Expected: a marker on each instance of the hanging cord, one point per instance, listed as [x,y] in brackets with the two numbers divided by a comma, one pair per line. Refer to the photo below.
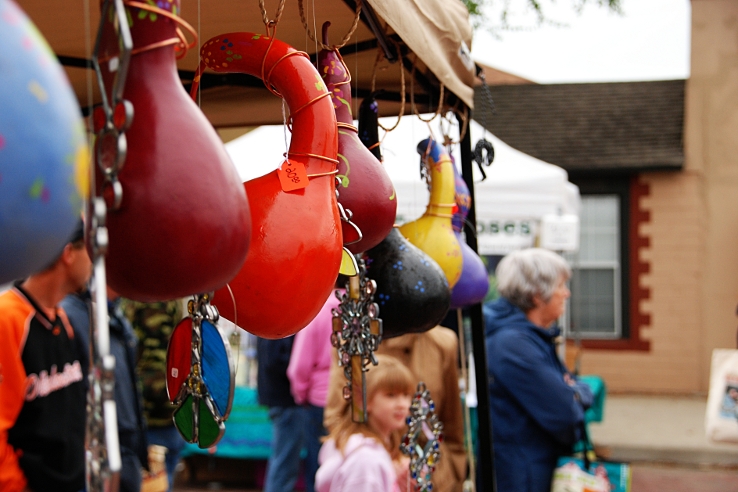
[380,56]
[345,39]
[271,24]
[412,96]
[447,140]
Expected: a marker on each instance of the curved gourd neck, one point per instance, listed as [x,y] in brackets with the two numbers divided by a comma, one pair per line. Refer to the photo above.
[442,183]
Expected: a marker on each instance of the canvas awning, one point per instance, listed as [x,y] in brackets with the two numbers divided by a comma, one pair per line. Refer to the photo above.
[437,32]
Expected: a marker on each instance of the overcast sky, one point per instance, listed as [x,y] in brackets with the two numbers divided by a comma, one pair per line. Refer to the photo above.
[650,41]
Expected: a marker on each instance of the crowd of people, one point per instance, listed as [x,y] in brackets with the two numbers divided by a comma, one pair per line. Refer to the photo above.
[536,405]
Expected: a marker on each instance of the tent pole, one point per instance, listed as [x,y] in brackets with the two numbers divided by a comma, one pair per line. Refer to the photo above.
[485,467]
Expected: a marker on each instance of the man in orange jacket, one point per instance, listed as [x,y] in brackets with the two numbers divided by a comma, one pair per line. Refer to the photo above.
[42,415]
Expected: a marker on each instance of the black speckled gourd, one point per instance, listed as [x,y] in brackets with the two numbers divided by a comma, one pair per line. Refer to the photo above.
[412,291]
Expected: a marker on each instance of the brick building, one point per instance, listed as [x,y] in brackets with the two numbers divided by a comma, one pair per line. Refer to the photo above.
[656,280]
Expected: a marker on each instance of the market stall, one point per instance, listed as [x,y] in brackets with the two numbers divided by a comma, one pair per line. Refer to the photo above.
[416,53]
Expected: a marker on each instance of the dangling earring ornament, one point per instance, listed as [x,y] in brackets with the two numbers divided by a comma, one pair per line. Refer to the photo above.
[423,439]
[357,331]
[200,375]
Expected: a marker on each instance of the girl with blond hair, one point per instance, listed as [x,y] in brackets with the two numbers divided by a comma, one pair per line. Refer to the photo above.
[365,457]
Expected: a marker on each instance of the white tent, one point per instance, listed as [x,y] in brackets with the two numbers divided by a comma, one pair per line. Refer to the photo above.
[510,204]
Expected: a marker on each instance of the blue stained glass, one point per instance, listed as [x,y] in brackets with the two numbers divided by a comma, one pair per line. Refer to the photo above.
[216,370]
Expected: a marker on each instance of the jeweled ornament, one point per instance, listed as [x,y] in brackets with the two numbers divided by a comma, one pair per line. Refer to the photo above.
[422,441]
[357,331]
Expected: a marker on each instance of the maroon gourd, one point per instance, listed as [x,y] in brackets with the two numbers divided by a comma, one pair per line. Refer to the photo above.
[364,188]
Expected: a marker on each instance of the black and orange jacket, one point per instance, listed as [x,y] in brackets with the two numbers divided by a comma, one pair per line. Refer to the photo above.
[42,409]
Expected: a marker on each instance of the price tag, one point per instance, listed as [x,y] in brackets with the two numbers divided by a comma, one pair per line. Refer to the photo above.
[292,176]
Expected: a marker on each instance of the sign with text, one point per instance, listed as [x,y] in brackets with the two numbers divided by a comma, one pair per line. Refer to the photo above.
[560,232]
[501,236]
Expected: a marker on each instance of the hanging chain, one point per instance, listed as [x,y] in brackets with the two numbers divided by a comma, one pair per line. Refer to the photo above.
[423,439]
[114,117]
[357,331]
[102,456]
[335,47]
[484,151]
[110,121]
[488,104]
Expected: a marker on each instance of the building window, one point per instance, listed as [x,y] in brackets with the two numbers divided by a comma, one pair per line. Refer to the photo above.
[596,307]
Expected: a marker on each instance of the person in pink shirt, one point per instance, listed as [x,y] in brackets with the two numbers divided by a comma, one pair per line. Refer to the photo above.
[309,373]
[365,457]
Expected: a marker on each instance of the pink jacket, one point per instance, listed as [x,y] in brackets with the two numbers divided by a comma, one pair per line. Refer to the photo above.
[363,466]
[310,362]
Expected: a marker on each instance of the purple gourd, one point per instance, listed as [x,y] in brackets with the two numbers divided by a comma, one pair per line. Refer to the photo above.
[473,283]
[364,186]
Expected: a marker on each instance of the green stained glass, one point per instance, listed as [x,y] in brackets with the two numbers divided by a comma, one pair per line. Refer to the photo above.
[183,419]
[210,431]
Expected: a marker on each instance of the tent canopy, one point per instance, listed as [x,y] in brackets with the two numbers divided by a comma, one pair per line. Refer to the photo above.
[518,192]
[435,32]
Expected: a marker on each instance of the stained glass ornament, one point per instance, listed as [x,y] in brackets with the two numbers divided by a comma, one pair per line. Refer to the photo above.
[200,375]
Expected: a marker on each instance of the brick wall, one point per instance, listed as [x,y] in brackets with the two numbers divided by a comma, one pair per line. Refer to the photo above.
[673,252]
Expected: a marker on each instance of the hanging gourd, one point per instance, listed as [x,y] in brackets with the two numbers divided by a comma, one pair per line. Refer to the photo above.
[296,253]
[364,186]
[369,125]
[473,283]
[432,232]
[44,163]
[179,219]
[412,292]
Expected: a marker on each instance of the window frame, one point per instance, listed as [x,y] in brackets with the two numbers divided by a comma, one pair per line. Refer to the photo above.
[620,187]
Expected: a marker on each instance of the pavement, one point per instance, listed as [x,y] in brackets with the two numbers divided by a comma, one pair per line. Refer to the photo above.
[662,437]
[660,429]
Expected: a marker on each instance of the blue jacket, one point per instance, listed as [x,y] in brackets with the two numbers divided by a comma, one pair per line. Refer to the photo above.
[127,394]
[273,385]
[536,415]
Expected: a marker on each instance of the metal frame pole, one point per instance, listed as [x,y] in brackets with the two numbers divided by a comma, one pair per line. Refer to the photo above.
[486,475]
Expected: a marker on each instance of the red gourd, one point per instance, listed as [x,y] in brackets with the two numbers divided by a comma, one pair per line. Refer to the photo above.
[183,225]
[296,252]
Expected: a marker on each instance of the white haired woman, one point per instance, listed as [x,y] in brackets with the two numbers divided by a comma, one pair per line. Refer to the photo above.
[536,405]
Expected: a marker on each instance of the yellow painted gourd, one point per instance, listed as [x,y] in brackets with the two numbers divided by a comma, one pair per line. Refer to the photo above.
[433,232]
